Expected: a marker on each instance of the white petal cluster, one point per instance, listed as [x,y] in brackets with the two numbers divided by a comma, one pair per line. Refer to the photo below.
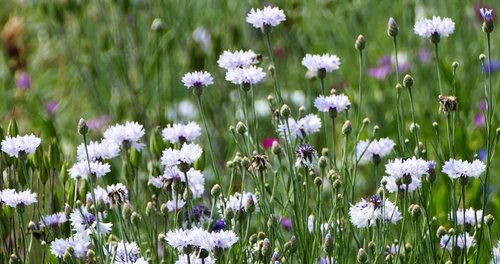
[81,169]
[239,201]
[106,149]
[269,16]
[392,187]
[181,133]
[496,254]
[194,258]
[129,133]
[327,62]
[200,238]
[437,25]
[462,240]
[332,102]
[472,217]
[125,253]
[26,144]
[59,246]
[366,213]
[305,126]
[84,223]
[378,147]
[414,167]
[237,59]
[458,168]
[247,75]
[197,79]
[188,154]
[101,195]
[53,219]
[14,199]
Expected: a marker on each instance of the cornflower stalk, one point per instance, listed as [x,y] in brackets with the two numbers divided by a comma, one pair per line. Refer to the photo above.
[277,89]
[400,120]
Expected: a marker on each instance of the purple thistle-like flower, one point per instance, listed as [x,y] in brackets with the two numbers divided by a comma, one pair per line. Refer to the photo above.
[219,225]
[51,107]
[24,81]
[479,120]
[286,223]
[487,14]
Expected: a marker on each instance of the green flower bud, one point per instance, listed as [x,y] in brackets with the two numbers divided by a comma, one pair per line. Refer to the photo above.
[216,190]
[157,145]
[276,148]
[392,28]
[323,162]
[489,219]
[135,218]
[372,246]
[83,128]
[158,25]
[362,257]
[318,182]
[135,157]
[127,211]
[347,128]
[285,111]
[360,43]
[12,128]
[408,81]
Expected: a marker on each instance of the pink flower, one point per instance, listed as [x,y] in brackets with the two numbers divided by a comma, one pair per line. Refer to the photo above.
[267,143]
[24,81]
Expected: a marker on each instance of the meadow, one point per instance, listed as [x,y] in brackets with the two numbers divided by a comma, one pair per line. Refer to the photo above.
[137,131]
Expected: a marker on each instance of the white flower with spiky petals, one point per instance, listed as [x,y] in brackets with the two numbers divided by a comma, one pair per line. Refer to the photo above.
[80,170]
[366,212]
[305,126]
[124,252]
[59,246]
[26,144]
[117,193]
[237,59]
[195,178]
[53,220]
[458,168]
[239,201]
[127,134]
[106,149]
[310,223]
[443,27]
[325,62]
[269,16]
[181,133]
[188,154]
[223,239]
[197,79]
[6,193]
[414,167]
[392,187]
[374,150]
[337,103]
[176,205]
[245,76]
[101,195]
[84,223]
[496,254]
[462,241]
[15,199]
[194,258]
[471,216]
[178,238]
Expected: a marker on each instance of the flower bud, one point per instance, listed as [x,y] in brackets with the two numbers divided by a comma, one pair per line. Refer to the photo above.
[135,218]
[83,128]
[362,257]
[12,129]
[216,190]
[337,184]
[127,211]
[157,25]
[328,243]
[360,43]
[366,121]
[164,209]
[414,127]
[489,219]
[157,145]
[318,182]
[253,239]
[392,27]
[372,246]
[455,65]
[322,162]
[482,57]
[229,213]
[276,148]
[241,128]
[150,208]
[347,128]
[408,81]
[285,111]
[135,157]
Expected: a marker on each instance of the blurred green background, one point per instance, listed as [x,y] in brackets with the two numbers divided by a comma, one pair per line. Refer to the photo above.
[100,60]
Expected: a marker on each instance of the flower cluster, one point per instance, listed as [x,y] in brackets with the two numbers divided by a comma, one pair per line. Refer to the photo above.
[366,212]
[181,133]
[463,169]
[20,145]
[301,128]
[375,149]
[317,63]
[269,16]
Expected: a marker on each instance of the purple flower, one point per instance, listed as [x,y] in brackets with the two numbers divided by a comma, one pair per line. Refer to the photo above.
[479,120]
[380,72]
[482,105]
[495,66]
[286,223]
[24,81]
[482,154]
[219,225]
[98,123]
[424,55]
[51,107]
[386,67]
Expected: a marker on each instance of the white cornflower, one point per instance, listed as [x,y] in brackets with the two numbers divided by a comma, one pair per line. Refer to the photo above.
[269,16]
[106,149]
[53,220]
[337,103]
[375,150]
[124,252]
[245,76]
[200,238]
[458,168]
[181,133]
[238,201]
[437,26]
[470,216]
[23,145]
[223,239]
[188,154]
[85,223]
[196,180]
[6,193]
[366,213]
[15,199]
[496,254]
[101,195]
[197,79]
[325,62]
[59,246]
[310,223]
[462,240]
[392,187]
[237,59]
[414,167]
[194,258]
[117,193]
[127,134]
[300,128]
[175,205]
[81,169]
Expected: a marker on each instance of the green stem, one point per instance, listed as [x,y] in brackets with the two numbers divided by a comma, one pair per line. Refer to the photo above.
[437,68]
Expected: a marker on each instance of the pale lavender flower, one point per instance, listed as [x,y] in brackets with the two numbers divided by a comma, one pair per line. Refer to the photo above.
[366,212]
[15,199]
[106,149]
[458,168]
[127,134]
[487,14]
[414,167]
[51,107]
[188,154]
[81,169]
[462,239]
[269,16]
[470,216]
[442,27]
[326,62]
[337,103]
[84,223]
[181,133]
[20,145]
[202,36]
[197,79]
[53,220]
[24,81]
[237,59]
[300,128]
[245,76]
[376,150]
[392,187]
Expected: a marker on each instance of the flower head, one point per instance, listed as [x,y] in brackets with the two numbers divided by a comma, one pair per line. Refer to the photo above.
[53,220]
[14,146]
[300,128]
[246,76]
[376,150]
[436,28]
[463,240]
[414,167]
[237,59]
[197,79]
[325,62]
[117,193]
[487,14]
[337,103]
[306,155]
[127,135]
[125,252]
[269,16]
[106,149]
[81,169]
[181,133]
[15,199]
[366,212]
[472,217]
[84,223]
[188,154]
[59,246]
[458,168]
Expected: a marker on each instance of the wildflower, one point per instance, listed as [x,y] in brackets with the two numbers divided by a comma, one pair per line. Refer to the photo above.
[81,169]
[376,150]
[53,220]
[306,156]
[434,28]
[487,15]
[175,205]
[202,36]
[194,258]
[310,223]
[245,76]
[366,213]
[300,128]
[20,145]
[392,185]
[238,201]
[321,64]
[98,123]
[470,216]
[196,180]
[267,143]
[269,16]
[496,253]
[447,241]
[187,155]
[392,27]
[51,107]
[464,169]
[237,59]
[18,199]
[197,79]
[414,167]
[85,223]
[286,223]
[59,247]
[106,149]
[259,162]
[127,135]
[181,133]
[332,103]
[24,81]
[448,103]
[387,64]
[101,196]
[125,252]
[117,193]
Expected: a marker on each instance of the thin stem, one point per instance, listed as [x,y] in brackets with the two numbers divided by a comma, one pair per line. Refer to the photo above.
[437,68]
[401,132]
[277,89]
[415,129]
[210,148]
